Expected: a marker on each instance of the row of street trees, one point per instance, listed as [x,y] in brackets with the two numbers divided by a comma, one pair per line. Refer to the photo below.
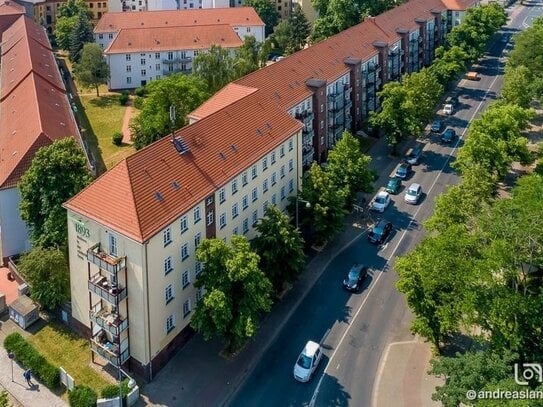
[480,271]
[408,105]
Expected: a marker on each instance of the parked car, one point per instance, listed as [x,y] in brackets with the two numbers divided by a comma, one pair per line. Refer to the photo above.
[472,76]
[403,171]
[452,100]
[380,232]
[414,154]
[413,194]
[448,135]
[448,109]
[381,201]
[307,362]
[355,277]
[394,185]
[437,126]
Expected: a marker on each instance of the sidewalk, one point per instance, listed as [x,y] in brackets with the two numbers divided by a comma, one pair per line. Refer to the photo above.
[38,395]
[198,376]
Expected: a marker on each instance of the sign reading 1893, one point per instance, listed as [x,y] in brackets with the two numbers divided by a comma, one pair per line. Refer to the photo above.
[81,229]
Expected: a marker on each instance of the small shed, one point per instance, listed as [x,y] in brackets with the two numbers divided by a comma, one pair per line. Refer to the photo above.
[24,311]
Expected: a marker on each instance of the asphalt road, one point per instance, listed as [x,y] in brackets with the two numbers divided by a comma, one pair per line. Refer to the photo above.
[361,325]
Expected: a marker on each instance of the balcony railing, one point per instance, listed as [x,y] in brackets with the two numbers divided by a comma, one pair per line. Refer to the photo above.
[102,287]
[105,261]
[348,104]
[109,350]
[110,321]
[176,60]
[168,72]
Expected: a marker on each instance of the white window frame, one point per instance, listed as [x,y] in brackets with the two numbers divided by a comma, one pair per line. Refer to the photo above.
[185,279]
[167,236]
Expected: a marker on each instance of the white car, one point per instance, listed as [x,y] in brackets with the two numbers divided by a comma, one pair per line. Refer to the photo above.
[307,361]
[413,193]
[448,109]
[381,201]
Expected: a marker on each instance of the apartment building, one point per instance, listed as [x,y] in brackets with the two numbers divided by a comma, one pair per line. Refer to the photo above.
[141,47]
[133,233]
[34,112]
[308,9]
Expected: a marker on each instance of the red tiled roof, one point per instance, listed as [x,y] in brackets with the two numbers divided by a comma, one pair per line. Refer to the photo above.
[239,16]
[140,192]
[226,96]
[34,109]
[173,38]
[459,5]
[9,12]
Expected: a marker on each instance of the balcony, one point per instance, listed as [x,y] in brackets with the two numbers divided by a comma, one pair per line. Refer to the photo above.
[102,287]
[307,159]
[378,68]
[307,138]
[166,72]
[109,321]
[171,61]
[348,104]
[107,262]
[109,350]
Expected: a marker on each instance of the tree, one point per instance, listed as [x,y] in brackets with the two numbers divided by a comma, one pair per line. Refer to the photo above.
[266,11]
[57,173]
[4,399]
[47,274]
[215,68]
[237,291]
[63,31]
[247,57]
[518,86]
[325,216]
[71,8]
[423,92]
[81,34]
[448,63]
[278,239]
[92,70]
[291,35]
[349,168]
[183,92]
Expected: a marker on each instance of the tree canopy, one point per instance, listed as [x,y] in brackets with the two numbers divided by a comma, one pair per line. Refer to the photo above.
[215,68]
[57,173]
[92,70]
[80,35]
[266,11]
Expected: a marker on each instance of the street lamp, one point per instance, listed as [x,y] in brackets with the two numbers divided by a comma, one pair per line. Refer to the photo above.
[307,205]
[11,356]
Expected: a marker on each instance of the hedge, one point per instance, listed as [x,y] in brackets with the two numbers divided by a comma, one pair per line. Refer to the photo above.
[112,390]
[31,359]
[82,396]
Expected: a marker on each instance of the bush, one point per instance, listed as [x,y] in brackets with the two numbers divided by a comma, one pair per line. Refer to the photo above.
[29,357]
[539,166]
[117,138]
[140,91]
[112,390]
[123,99]
[82,396]
[138,102]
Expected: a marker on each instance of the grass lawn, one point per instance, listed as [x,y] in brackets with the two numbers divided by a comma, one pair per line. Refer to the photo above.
[100,118]
[63,348]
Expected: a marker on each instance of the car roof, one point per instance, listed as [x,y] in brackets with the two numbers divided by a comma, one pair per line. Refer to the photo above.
[382,193]
[310,348]
[414,185]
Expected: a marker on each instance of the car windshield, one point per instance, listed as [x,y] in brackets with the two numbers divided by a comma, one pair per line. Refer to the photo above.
[402,169]
[412,192]
[392,183]
[377,230]
[353,275]
[380,199]
[304,361]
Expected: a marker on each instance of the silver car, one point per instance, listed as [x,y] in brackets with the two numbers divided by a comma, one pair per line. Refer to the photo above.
[413,193]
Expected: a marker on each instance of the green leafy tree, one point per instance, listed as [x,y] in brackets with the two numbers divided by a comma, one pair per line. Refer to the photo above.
[325,216]
[71,8]
[237,291]
[266,49]
[47,274]
[63,31]
[92,70]
[349,168]
[278,239]
[291,35]
[423,92]
[4,399]
[339,15]
[247,57]
[266,11]
[448,63]
[517,86]
[183,92]
[215,68]
[57,173]
[81,34]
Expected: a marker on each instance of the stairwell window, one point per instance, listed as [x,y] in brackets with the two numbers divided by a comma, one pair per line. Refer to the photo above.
[210,218]
[112,244]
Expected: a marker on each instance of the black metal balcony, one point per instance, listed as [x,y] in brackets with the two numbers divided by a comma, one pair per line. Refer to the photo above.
[101,286]
[109,321]
[107,262]
[110,351]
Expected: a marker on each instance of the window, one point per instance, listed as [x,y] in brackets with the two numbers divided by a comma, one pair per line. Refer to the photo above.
[255,217]
[234,186]
[142,61]
[273,157]
[197,268]
[221,195]
[197,240]
[170,55]
[290,165]
[245,225]
[168,265]
[184,251]
[265,186]
[264,164]
[235,210]
[185,279]
[110,36]
[245,202]
[253,172]
[157,67]
[143,72]
[128,79]
[112,244]
[186,308]
[199,294]
[274,199]
[235,231]
[157,55]
[170,323]
[322,108]
[197,215]
[290,145]
[100,36]
[283,193]
[282,151]
[184,224]
[167,236]
[169,293]
[128,68]
[282,171]
[291,185]
[210,218]
[265,206]
[209,200]
[254,194]
[274,179]
[322,124]
[244,178]
[222,220]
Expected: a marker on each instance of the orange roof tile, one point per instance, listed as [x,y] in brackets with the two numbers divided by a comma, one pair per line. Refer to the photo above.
[226,96]
[239,16]
[459,5]
[30,88]
[136,210]
[9,12]
[173,38]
